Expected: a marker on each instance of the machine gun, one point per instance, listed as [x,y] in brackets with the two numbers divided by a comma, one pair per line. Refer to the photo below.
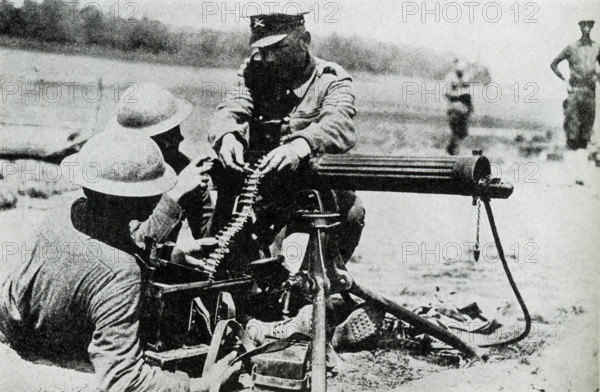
[467,176]
[177,296]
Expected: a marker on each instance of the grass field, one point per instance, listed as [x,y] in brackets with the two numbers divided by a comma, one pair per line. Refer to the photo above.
[549,227]
[48,97]
[395,114]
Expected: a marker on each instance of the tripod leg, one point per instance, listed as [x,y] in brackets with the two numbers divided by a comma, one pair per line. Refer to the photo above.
[319,375]
[411,318]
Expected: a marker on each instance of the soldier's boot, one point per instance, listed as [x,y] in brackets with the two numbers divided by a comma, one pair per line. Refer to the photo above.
[574,171]
[360,330]
[258,330]
[452,147]
[585,168]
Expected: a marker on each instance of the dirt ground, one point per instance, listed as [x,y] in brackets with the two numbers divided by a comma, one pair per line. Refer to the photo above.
[554,225]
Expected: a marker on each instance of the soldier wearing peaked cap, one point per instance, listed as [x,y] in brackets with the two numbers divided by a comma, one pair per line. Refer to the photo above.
[287,105]
[269,29]
[74,290]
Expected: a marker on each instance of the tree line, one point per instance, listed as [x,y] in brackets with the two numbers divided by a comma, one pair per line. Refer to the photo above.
[67,24]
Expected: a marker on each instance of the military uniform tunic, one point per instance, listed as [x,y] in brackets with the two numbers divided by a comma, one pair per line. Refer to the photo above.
[264,112]
[321,110]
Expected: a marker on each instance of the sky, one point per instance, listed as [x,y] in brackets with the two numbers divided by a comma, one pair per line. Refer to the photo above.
[516,39]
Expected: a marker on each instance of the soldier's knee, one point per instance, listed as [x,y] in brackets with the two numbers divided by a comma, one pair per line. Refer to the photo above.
[356,215]
[351,208]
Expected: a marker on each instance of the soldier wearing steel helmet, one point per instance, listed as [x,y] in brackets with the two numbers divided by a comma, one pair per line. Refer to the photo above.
[73,291]
[287,105]
[150,110]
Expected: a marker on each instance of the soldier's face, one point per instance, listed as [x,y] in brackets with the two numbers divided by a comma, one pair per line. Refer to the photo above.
[140,207]
[586,28]
[285,56]
[129,208]
[169,142]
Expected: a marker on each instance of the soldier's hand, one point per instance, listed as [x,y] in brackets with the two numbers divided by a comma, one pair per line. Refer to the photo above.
[286,157]
[232,153]
[219,374]
[191,178]
[569,88]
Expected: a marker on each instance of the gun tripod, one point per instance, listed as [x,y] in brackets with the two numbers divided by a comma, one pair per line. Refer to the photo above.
[327,278]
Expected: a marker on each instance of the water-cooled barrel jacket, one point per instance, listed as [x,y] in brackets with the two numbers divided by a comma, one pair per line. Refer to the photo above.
[321,110]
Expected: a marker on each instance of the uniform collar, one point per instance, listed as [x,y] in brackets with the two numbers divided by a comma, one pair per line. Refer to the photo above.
[102,224]
[308,74]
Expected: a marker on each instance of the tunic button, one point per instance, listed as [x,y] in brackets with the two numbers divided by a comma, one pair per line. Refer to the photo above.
[287,92]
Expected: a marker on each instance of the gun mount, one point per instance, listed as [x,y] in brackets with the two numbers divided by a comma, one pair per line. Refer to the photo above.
[171,300]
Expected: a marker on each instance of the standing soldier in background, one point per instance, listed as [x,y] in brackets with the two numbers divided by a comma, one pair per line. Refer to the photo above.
[460,105]
[580,105]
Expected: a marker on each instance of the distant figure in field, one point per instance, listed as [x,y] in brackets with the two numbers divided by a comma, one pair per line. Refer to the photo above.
[460,105]
[580,105]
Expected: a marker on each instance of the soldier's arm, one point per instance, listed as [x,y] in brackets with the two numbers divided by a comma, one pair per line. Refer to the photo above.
[190,193]
[564,55]
[598,61]
[335,132]
[233,115]
[115,350]
[165,218]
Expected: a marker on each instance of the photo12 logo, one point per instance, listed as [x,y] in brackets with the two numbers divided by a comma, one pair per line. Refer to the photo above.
[90,172]
[468,11]
[127,11]
[88,251]
[492,92]
[239,12]
[65,92]
[454,252]
[517,172]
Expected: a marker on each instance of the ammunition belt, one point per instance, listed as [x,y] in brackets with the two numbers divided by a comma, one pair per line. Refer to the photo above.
[241,217]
